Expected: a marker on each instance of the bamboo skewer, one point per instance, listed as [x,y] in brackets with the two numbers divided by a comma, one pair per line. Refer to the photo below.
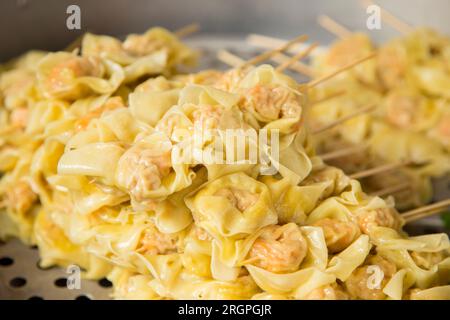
[343,119]
[342,152]
[229,58]
[266,42]
[425,215]
[296,57]
[426,211]
[268,54]
[329,97]
[333,27]
[297,66]
[390,19]
[379,169]
[334,73]
[272,43]
[187,30]
[392,189]
[235,61]
[438,205]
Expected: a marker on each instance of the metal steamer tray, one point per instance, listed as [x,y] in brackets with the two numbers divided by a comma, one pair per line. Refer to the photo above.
[22,278]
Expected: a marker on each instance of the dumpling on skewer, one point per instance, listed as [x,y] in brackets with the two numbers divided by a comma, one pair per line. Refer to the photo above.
[46,99]
[408,115]
[157,51]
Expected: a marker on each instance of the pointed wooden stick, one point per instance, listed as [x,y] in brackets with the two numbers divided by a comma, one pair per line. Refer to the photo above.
[297,66]
[426,211]
[328,97]
[425,215]
[390,19]
[333,27]
[187,30]
[380,169]
[234,61]
[334,73]
[391,189]
[268,54]
[230,59]
[296,57]
[333,124]
[259,40]
[272,43]
[342,152]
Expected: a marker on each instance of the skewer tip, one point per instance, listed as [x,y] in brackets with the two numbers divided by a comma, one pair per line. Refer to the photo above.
[187,30]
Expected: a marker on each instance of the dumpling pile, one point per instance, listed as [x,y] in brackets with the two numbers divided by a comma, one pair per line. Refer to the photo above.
[408,83]
[135,178]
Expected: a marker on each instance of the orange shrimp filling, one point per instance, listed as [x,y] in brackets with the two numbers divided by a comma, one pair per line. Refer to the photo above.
[391,62]
[207,117]
[272,103]
[202,234]
[19,117]
[358,286]
[385,217]
[21,197]
[402,110]
[443,127]
[240,199]
[338,234]
[279,250]
[346,51]
[72,68]
[154,242]
[111,104]
[142,170]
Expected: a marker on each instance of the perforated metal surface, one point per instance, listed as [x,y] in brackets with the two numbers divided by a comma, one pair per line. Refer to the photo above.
[20,275]
[22,278]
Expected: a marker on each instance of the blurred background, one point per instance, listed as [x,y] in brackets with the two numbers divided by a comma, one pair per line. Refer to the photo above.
[41,24]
